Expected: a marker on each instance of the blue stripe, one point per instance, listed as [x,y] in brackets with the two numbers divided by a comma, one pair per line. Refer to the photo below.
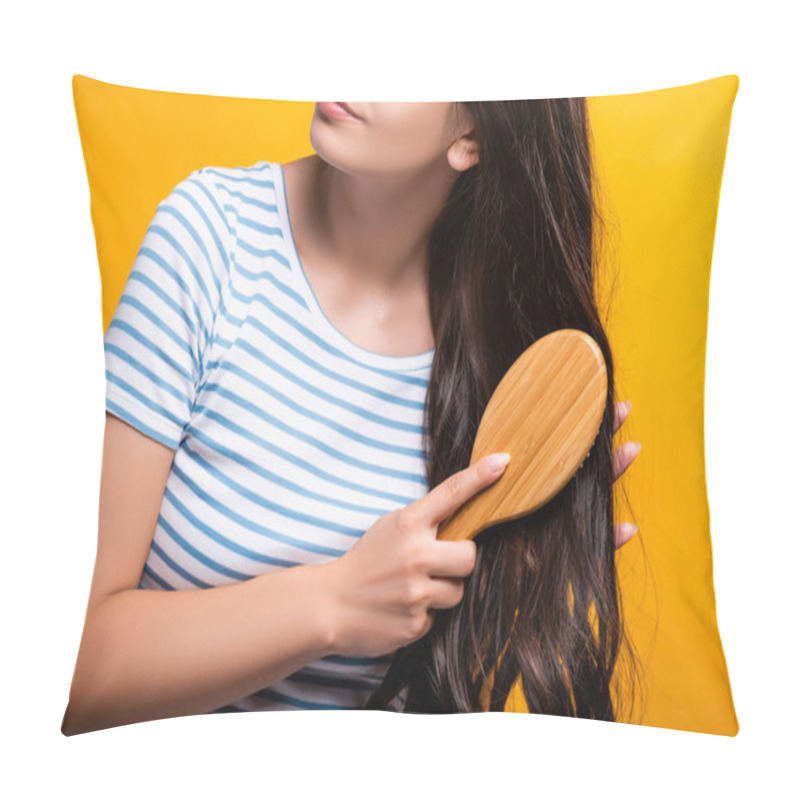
[323,395]
[218,537]
[223,541]
[269,207]
[135,333]
[175,567]
[320,342]
[220,213]
[238,178]
[179,249]
[271,694]
[203,410]
[198,555]
[338,376]
[258,499]
[359,660]
[129,416]
[148,571]
[259,253]
[181,341]
[137,275]
[327,421]
[250,525]
[259,166]
[276,479]
[334,682]
[152,377]
[206,368]
[254,276]
[270,230]
[193,232]
[186,292]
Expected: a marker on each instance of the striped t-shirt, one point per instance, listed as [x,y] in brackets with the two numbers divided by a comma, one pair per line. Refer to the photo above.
[290,439]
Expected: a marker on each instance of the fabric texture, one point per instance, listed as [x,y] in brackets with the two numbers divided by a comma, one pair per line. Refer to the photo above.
[290,439]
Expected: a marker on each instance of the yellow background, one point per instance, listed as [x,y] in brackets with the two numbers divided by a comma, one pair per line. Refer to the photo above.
[660,158]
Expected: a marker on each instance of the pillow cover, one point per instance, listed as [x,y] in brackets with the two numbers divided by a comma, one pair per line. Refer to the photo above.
[660,158]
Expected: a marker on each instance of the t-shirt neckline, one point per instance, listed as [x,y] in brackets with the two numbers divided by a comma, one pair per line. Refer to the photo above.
[361,354]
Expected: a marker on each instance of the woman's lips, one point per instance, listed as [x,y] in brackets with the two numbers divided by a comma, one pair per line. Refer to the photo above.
[340,111]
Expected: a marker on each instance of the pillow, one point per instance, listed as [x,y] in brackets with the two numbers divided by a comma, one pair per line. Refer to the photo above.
[659,157]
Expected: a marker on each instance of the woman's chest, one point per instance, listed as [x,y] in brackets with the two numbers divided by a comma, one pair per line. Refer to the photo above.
[285,461]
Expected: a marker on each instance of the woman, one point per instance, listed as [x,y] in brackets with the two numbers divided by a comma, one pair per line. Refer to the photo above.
[300,352]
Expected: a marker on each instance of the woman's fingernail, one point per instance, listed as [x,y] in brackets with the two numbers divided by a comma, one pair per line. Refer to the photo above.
[635,530]
[628,404]
[497,461]
[637,446]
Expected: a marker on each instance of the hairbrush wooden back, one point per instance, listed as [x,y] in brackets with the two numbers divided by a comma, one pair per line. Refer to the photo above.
[546,412]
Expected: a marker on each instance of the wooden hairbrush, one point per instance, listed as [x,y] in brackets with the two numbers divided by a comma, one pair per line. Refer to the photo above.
[546,412]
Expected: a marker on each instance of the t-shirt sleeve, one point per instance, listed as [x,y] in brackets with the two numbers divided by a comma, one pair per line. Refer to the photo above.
[156,344]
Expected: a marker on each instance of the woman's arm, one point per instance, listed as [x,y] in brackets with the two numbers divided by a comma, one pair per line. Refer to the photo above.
[155,654]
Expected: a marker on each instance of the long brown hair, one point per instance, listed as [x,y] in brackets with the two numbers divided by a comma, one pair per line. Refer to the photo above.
[512,257]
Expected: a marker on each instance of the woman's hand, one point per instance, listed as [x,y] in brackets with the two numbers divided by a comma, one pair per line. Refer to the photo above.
[622,458]
[384,588]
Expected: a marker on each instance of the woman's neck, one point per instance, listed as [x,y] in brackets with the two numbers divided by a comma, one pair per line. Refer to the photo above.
[375,229]
[363,245]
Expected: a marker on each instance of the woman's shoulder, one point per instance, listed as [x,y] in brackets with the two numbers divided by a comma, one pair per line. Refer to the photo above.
[244,180]
[233,187]
[245,195]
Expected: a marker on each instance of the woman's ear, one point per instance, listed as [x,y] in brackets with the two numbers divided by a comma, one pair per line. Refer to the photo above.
[463,153]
